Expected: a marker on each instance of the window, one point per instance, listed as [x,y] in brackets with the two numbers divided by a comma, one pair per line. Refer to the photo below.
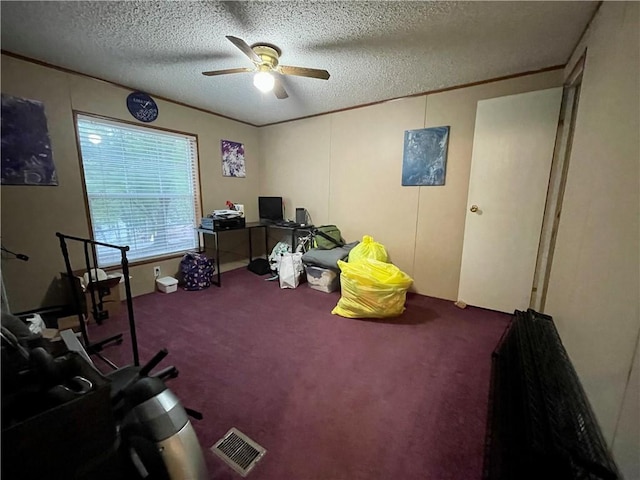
[141,186]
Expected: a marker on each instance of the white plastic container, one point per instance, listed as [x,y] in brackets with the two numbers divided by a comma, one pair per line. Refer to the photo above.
[322,279]
[167,284]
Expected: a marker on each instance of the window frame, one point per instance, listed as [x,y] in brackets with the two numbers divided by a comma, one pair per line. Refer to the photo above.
[198,183]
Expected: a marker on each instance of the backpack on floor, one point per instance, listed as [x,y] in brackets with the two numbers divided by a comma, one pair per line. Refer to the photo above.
[259,266]
[197,271]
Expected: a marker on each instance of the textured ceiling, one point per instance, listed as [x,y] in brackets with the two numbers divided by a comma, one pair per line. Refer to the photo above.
[374,50]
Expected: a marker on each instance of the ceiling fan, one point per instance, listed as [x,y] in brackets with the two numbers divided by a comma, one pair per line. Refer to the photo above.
[266,59]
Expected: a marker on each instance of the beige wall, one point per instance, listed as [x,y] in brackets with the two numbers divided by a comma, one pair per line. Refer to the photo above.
[626,442]
[355,158]
[345,168]
[32,215]
[300,176]
[366,163]
[594,283]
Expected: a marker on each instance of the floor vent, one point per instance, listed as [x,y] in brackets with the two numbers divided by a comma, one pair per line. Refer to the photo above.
[238,451]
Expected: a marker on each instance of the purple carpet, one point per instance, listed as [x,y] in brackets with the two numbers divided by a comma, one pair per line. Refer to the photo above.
[329,398]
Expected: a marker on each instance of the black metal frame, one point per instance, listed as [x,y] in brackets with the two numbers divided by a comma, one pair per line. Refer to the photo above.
[540,423]
[249,227]
[91,258]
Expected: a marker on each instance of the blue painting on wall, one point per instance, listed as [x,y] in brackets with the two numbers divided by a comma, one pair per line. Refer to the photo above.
[425,156]
[26,149]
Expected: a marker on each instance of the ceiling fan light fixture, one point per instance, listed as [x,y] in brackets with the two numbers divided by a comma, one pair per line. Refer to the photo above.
[266,60]
[264,81]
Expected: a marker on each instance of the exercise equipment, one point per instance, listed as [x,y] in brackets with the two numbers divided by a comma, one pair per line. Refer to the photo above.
[158,439]
[64,419]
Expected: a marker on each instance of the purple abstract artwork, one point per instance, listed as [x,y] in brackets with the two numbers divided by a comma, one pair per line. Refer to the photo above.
[233,159]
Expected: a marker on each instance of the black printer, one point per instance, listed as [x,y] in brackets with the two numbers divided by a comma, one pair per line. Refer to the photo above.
[222,222]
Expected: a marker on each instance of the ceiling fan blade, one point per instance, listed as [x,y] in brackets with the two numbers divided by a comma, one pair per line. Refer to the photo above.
[228,70]
[245,48]
[278,88]
[304,72]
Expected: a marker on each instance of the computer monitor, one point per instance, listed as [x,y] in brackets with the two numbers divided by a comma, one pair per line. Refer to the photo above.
[270,208]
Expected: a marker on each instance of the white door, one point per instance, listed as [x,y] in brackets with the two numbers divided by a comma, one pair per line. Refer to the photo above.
[512,152]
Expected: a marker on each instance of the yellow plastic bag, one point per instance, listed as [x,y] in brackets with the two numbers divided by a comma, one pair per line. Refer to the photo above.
[368,248]
[371,289]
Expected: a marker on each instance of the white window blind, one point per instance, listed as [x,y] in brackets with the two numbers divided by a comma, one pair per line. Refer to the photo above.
[142,188]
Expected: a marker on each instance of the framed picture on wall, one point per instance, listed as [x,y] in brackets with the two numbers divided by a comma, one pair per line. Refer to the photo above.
[27,158]
[424,160]
[233,159]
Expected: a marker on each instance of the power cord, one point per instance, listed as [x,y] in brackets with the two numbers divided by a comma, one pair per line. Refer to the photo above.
[19,256]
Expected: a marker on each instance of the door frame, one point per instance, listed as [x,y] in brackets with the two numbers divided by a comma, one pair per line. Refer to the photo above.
[557,185]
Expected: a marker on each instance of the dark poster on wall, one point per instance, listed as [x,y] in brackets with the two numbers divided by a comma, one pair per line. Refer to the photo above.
[26,149]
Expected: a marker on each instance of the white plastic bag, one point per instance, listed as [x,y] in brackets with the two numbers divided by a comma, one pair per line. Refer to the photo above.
[291,269]
[94,275]
[36,324]
[276,254]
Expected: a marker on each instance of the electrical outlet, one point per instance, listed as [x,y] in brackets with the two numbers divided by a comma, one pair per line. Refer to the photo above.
[156,272]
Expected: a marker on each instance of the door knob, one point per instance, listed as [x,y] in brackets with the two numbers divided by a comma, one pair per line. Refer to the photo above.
[474,208]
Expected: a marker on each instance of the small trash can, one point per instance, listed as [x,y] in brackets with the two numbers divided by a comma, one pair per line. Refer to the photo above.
[167,284]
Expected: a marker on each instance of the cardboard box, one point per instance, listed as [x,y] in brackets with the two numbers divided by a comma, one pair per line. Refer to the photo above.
[71,322]
[106,292]
[54,343]
[107,289]
[111,305]
[51,334]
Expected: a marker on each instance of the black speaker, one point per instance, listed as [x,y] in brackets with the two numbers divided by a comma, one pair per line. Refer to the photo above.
[301,215]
